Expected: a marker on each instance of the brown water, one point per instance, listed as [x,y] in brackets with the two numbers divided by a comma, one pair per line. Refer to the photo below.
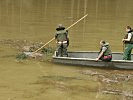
[35,21]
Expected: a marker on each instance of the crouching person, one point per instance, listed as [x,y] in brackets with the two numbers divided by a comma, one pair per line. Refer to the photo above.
[62,41]
[105,52]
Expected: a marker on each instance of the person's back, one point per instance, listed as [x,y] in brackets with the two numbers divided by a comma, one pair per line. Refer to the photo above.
[62,40]
[61,35]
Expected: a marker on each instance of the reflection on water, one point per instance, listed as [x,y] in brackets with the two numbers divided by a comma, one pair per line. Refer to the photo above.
[36,20]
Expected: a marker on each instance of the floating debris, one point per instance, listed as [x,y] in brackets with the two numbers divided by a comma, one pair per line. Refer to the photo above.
[29,54]
[48,50]
[21,56]
[118,92]
[60,78]
[90,72]
[27,48]
[107,80]
[33,55]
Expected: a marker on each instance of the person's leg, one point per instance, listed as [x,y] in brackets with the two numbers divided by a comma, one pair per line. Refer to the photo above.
[127,52]
[65,50]
[59,50]
[131,51]
[107,59]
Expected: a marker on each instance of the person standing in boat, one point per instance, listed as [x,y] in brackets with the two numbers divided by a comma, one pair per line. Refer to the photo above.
[128,42]
[105,52]
[62,41]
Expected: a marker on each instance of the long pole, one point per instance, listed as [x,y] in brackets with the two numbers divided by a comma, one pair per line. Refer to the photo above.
[54,37]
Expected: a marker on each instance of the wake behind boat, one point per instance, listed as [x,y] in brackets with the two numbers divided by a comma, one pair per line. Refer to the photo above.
[87,58]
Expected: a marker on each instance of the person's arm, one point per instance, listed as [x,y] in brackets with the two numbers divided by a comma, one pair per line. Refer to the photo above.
[99,56]
[56,35]
[67,33]
[101,53]
[129,37]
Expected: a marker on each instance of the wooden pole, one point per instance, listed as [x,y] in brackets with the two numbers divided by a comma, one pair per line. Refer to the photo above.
[54,37]
[77,21]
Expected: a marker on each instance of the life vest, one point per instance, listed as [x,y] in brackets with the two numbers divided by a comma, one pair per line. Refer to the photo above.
[108,51]
[61,35]
[126,36]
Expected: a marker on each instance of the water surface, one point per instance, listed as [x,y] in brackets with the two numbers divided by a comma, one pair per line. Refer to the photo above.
[35,21]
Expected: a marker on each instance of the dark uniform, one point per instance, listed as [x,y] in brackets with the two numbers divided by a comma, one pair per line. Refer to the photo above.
[107,55]
[128,47]
[62,41]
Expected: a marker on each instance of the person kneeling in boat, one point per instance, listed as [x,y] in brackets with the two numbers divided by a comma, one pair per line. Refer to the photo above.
[105,52]
[62,41]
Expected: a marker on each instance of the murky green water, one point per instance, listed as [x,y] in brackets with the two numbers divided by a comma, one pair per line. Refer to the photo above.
[35,21]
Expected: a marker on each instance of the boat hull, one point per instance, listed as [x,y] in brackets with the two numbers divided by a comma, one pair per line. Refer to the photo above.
[88,59]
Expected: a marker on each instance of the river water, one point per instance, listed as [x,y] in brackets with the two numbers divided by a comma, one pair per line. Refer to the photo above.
[35,21]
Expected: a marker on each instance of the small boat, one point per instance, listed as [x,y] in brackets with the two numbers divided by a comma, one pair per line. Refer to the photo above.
[87,58]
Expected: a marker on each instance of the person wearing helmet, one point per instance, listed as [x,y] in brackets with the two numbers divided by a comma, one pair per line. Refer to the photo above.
[62,41]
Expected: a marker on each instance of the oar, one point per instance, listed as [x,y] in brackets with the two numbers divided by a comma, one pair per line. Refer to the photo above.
[54,37]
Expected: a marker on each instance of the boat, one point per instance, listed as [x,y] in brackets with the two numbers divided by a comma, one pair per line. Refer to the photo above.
[87,58]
